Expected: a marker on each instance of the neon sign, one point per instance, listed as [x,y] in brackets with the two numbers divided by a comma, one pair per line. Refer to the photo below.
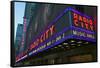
[83,22]
[43,37]
[81,27]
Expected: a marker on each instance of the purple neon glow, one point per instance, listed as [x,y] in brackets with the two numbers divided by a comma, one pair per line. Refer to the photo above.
[67,37]
[84,38]
[49,40]
[52,37]
[84,30]
[59,16]
[71,36]
[59,41]
[54,44]
[71,9]
[54,21]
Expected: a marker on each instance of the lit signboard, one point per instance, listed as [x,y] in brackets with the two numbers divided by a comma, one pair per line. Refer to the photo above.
[48,33]
[68,25]
[83,27]
[82,22]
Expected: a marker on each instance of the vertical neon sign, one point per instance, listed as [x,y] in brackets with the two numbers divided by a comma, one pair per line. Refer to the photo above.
[23,40]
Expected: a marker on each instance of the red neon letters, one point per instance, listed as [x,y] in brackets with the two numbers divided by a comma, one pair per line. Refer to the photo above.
[83,22]
[43,37]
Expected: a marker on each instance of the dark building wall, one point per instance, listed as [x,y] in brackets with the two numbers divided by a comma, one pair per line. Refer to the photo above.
[32,25]
[29,12]
[29,8]
[41,15]
[38,22]
[44,14]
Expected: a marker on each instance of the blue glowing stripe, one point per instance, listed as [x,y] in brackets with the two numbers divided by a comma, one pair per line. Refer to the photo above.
[81,37]
[63,30]
[84,30]
[84,38]
[22,58]
[53,37]
[53,22]
[54,44]
[59,16]
[71,9]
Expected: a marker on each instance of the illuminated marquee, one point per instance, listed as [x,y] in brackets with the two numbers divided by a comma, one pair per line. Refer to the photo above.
[72,24]
[43,37]
[83,22]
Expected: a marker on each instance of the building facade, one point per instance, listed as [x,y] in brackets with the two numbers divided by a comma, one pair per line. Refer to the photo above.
[18,38]
[61,34]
